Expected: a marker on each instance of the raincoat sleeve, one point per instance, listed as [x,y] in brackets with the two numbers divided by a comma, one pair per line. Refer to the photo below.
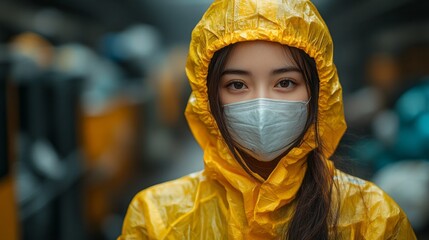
[162,211]
[404,230]
[134,226]
[367,212]
[397,225]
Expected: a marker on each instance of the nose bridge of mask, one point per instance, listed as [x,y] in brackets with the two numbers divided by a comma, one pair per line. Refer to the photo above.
[262,113]
[271,116]
[262,122]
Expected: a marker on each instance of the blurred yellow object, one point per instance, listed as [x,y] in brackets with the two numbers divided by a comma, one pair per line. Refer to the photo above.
[224,201]
[168,98]
[108,141]
[9,223]
[34,47]
[170,85]
[8,209]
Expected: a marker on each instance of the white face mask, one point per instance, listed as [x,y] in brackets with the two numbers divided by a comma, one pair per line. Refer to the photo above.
[265,128]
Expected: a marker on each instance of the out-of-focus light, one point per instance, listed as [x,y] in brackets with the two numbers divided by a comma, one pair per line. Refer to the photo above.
[139,41]
[48,21]
[34,47]
[422,124]
[406,182]
[411,104]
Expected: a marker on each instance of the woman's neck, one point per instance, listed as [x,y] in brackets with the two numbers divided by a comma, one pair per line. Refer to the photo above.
[262,168]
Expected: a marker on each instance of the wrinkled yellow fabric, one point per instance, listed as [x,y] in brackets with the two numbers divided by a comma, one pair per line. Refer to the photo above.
[224,201]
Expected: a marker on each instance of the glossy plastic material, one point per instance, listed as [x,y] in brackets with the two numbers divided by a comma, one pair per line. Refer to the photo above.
[224,201]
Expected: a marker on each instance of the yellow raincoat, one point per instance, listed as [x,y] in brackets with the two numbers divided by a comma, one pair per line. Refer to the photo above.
[224,201]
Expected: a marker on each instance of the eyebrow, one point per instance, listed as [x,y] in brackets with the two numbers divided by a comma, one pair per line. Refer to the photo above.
[274,72]
[286,69]
[235,72]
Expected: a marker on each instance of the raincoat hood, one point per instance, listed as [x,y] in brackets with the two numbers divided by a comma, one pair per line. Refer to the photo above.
[293,23]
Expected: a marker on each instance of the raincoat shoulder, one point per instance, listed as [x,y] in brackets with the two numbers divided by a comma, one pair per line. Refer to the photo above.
[178,209]
[367,212]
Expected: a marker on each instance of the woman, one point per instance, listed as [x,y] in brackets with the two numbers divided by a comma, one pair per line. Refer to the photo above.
[266,108]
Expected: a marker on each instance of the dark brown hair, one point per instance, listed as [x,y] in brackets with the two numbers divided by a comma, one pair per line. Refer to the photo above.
[312,217]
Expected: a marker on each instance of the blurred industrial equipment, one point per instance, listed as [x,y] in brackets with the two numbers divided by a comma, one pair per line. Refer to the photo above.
[9,226]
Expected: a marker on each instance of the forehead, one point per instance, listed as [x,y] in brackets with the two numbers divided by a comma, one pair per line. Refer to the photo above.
[253,54]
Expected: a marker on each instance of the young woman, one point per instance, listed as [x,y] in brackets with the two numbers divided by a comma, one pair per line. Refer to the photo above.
[267,110]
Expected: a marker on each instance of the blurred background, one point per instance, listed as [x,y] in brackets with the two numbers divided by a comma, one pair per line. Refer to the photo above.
[92,96]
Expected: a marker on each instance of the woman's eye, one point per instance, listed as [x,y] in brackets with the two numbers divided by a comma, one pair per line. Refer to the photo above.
[236,85]
[285,84]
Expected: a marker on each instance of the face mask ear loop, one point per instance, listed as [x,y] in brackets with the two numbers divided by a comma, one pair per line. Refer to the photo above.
[308,101]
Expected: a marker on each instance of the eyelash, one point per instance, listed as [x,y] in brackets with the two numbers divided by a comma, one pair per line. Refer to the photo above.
[289,81]
[231,85]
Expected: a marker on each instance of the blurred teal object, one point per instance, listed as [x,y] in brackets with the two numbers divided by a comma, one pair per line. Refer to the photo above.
[413,134]
[411,104]
[422,124]
[409,143]
[407,139]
